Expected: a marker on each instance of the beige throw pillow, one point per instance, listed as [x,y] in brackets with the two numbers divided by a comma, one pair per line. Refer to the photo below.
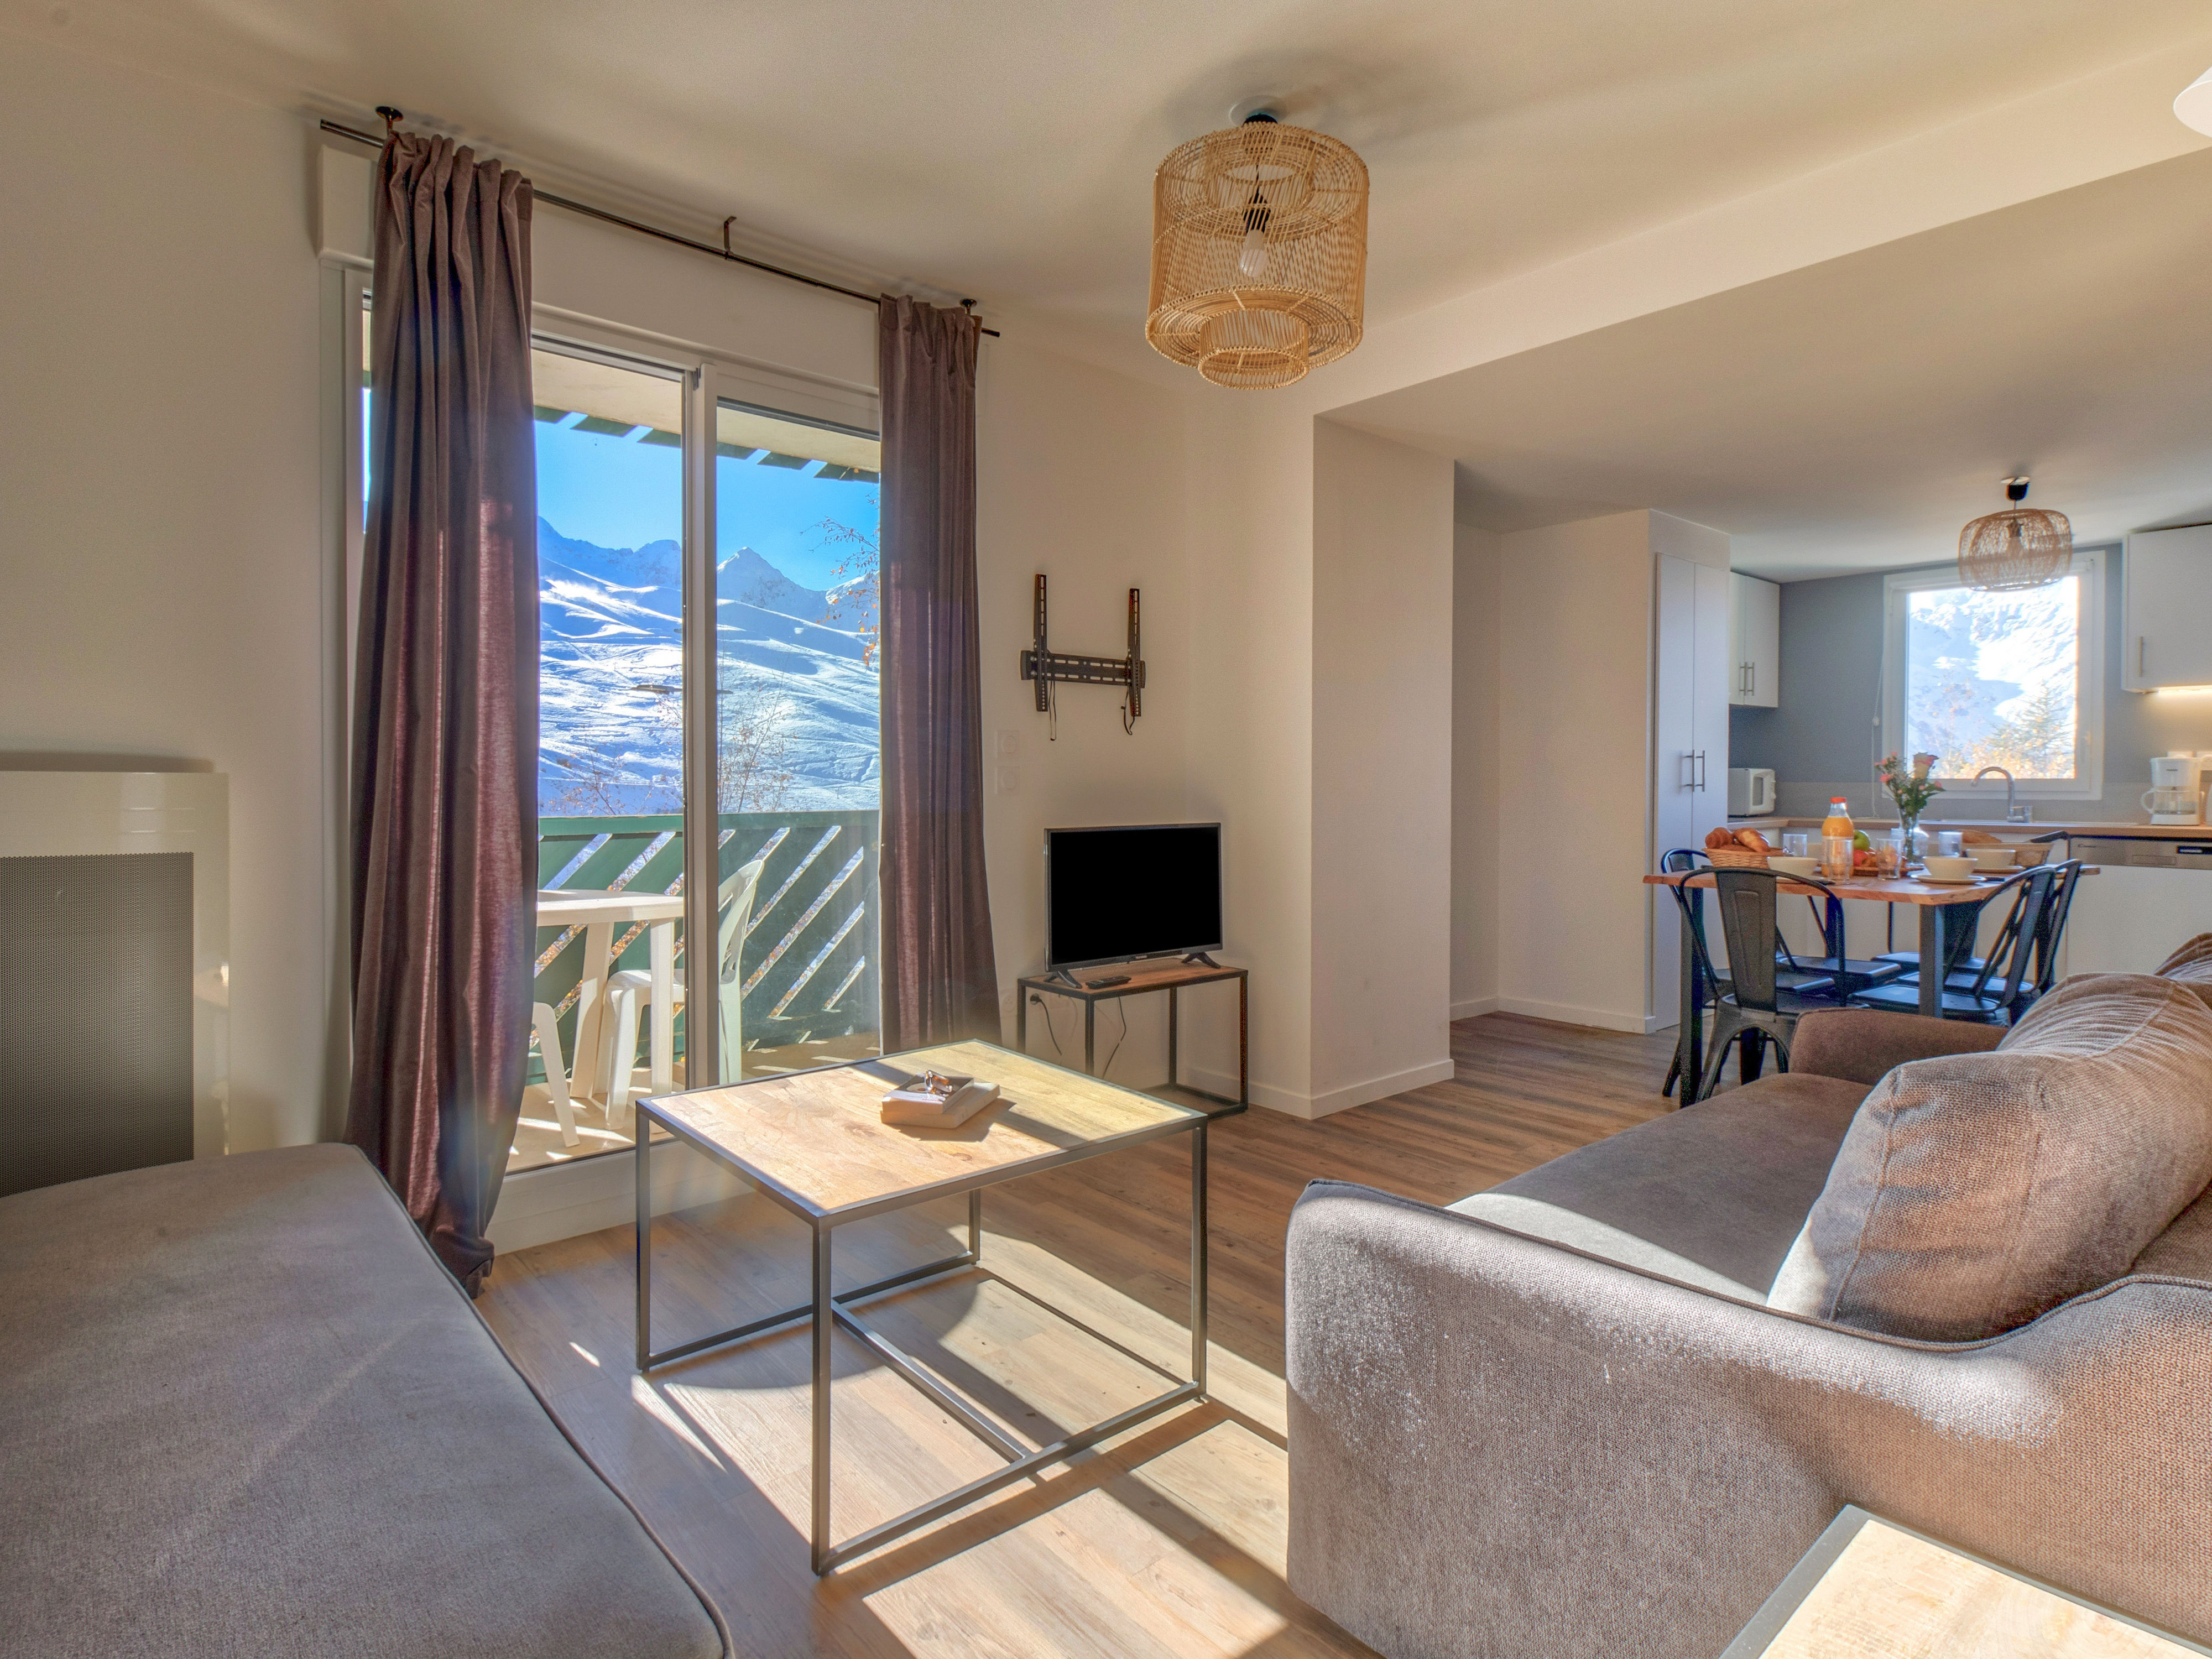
[1973,1192]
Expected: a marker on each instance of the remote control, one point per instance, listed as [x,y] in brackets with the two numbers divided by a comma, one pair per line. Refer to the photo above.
[1110,979]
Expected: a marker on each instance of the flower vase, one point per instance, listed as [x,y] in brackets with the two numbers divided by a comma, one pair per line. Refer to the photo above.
[1908,852]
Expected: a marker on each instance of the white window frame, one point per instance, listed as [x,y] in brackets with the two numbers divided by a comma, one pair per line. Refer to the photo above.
[2088,782]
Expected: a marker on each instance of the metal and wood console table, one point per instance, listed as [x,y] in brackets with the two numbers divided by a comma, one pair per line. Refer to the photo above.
[1169,973]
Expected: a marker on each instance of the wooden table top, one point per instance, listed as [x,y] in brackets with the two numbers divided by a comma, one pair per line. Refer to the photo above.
[1871,888]
[1154,973]
[561,907]
[818,1138]
[1870,1589]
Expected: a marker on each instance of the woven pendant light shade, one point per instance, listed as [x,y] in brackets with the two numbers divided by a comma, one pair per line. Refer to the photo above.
[2020,547]
[1259,254]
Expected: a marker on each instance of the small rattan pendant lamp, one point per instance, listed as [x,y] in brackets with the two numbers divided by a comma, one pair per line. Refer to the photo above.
[2020,547]
[1259,253]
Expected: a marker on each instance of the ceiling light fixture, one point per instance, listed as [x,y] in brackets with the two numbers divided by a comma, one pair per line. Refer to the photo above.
[2194,104]
[1259,253]
[2019,547]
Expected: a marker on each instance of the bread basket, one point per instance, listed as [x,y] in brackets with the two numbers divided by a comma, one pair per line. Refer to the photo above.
[1736,858]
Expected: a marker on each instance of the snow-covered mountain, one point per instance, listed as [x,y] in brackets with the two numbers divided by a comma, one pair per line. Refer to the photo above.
[799,697]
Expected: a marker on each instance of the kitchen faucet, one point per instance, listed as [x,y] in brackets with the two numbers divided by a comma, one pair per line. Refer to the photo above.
[2013,814]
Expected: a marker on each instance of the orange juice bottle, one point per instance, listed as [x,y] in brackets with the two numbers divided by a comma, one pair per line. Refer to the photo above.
[1836,832]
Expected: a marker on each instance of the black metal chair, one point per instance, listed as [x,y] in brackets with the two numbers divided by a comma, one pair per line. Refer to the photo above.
[1752,1003]
[1690,860]
[1990,998]
[2054,924]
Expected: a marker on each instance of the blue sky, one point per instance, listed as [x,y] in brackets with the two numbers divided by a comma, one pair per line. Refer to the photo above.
[617,492]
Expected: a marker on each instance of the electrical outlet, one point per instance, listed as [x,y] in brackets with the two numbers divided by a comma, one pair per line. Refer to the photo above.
[1009,744]
[1009,780]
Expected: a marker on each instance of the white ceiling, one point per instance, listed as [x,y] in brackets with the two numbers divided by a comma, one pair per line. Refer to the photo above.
[1005,148]
[1853,415]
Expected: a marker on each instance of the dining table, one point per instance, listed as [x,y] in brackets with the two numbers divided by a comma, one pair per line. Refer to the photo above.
[1930,899]
[599,912]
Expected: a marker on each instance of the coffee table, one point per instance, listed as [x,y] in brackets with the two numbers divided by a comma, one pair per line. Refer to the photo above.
[814,1143]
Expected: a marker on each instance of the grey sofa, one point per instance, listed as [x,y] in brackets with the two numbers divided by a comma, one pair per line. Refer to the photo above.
[244,1411]
[1563,1421]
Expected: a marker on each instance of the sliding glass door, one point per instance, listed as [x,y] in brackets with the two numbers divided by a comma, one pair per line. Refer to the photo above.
[788,977]
[611,785]
[796,744]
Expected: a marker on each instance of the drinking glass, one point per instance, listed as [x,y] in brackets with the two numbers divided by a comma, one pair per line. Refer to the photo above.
[1949,843]
[1797,843]
[1835,857]
[1889,855]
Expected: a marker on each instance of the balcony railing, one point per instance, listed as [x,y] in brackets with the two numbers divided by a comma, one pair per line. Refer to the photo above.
[809,963]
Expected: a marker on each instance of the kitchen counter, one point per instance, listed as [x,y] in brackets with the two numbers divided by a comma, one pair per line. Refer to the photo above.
[1995,827]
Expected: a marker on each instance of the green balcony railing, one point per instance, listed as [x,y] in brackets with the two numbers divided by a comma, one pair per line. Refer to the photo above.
[809,965]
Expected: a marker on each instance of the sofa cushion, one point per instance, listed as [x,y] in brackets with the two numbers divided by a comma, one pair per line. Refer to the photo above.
[2184,1249]
[2192,965]
[1711,1196]
[1976,1191]
[244,1410]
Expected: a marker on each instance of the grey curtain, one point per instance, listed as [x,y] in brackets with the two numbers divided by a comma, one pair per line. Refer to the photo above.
[941,978]
[445,739]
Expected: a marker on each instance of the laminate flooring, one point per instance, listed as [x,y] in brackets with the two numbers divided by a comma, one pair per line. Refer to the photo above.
[1168,1541]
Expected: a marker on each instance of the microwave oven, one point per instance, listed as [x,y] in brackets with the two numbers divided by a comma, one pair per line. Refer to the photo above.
[1751,792]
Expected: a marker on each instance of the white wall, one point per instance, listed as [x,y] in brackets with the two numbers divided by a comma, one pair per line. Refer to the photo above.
[1249,494]
[159,465]
[1381,715]
[1079,476]
[1575,620]
[1478,640]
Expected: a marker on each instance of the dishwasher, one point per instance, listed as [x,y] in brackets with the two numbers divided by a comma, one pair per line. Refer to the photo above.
[2148,896]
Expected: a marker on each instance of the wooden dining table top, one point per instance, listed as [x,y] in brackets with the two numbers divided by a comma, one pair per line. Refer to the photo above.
[1874,889]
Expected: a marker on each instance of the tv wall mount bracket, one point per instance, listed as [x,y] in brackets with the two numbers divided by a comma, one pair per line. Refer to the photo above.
[1045,665]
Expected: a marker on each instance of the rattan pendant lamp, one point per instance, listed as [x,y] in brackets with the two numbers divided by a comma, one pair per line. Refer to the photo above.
[1259,253]
[2019,547]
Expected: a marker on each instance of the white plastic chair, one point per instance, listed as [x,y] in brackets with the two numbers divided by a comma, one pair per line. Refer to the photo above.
[631,990]
[548,1025]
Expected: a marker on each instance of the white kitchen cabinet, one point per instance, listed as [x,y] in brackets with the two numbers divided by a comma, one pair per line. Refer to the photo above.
[1754,642]
[1690,657]
[2166,639]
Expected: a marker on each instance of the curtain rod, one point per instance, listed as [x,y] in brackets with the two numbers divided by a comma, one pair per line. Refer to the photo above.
[725,252]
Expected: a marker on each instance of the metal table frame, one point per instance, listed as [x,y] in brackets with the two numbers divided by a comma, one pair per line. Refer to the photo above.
[828,1309]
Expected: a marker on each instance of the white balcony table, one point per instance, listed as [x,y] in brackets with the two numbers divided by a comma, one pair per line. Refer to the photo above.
[600,912]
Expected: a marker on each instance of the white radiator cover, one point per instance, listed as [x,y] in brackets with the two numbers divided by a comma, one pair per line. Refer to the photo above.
[80,816]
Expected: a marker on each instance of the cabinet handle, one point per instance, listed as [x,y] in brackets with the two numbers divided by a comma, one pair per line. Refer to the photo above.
[1688,781]
[1751,689]
[2139,656]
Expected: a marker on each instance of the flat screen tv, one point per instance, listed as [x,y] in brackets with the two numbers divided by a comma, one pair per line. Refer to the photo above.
[1143,890]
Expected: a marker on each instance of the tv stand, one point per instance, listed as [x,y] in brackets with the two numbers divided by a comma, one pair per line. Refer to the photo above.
[1138,978]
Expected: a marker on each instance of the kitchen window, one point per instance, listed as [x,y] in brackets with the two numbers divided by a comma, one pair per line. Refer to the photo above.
[2014,680]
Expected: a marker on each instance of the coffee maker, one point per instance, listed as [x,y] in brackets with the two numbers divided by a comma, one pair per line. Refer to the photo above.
[2178,786]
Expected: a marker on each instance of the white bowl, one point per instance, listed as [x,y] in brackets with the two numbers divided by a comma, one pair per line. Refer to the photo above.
[1790,867]
[1945,869]
[1994,858]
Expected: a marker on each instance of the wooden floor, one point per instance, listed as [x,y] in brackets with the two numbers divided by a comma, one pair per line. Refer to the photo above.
[1167,1542]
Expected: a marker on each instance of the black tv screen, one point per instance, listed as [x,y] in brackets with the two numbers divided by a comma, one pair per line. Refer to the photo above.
[1135,891]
